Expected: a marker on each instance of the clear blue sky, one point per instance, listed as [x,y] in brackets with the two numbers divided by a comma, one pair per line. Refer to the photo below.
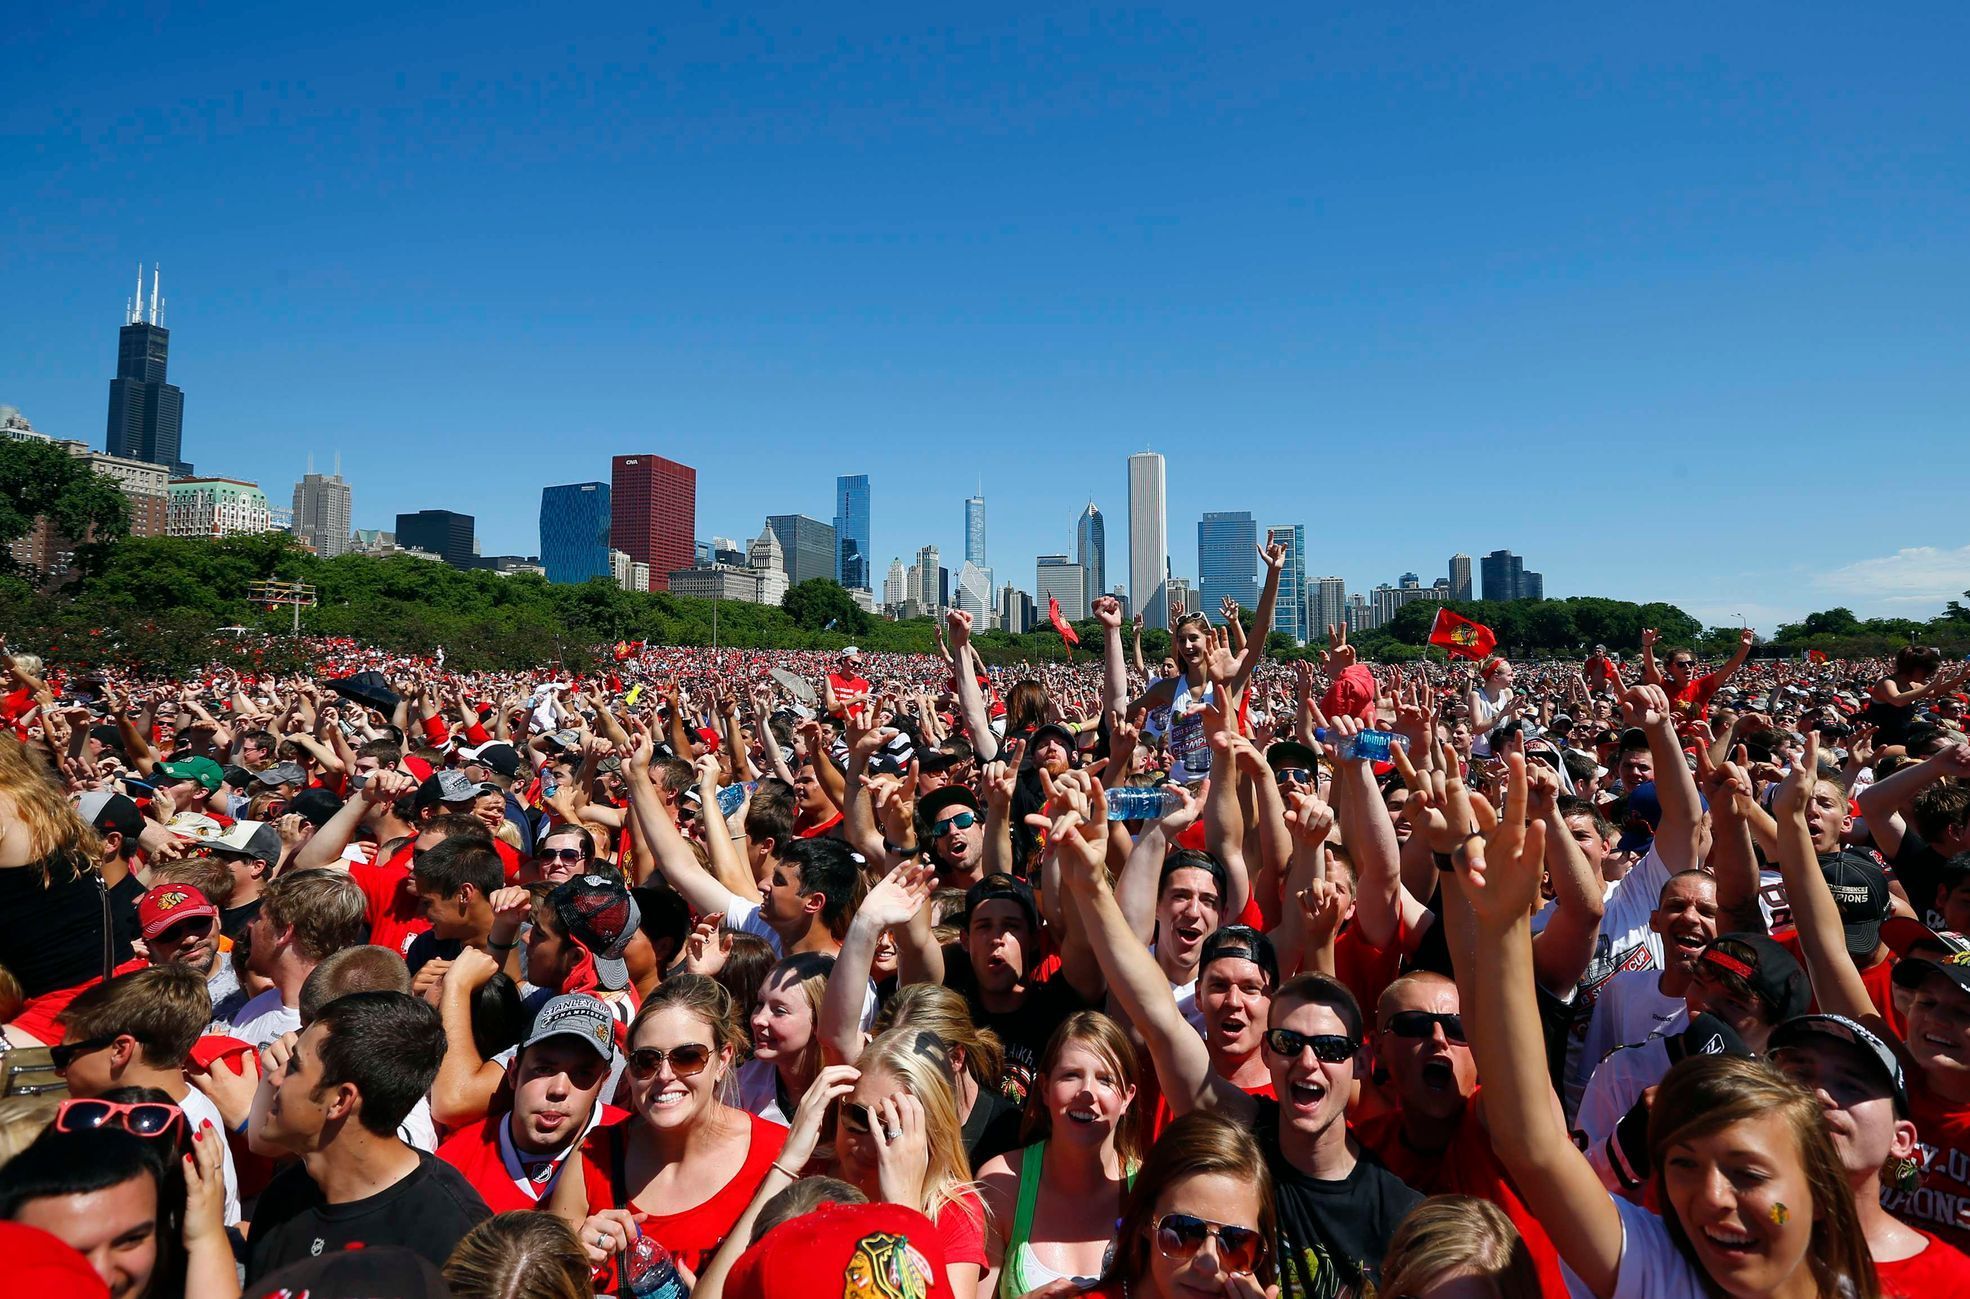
[1672,300]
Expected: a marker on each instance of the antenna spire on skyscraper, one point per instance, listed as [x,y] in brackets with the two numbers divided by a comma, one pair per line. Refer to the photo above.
[155,276]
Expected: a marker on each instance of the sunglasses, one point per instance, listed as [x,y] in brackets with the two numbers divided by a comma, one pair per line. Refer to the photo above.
[185,931]
[1292,775]
[142,1119]
[962,821]
[1328,1048]
[573,856]
[685,1061]
[1419,1023]
[1179,1235]
[64,1055]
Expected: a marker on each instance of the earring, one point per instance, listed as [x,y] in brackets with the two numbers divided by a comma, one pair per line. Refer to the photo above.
[1903,1175]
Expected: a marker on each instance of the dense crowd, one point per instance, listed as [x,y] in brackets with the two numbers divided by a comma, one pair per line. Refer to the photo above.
[749,973]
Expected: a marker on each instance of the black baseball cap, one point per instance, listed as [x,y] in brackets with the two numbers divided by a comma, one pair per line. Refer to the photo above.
[1766,968]
[315,806]
[1002,886]
[1800,1029]
[1860,889]
[1240,942]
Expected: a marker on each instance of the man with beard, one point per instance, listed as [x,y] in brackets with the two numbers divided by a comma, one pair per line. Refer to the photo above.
[513,1158]
[951,828]
[1636,1003]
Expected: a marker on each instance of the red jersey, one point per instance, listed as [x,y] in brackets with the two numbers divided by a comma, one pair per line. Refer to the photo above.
[1941,1204]
[1693,700]
[1936,1271]
[693,1235]
[1879,980]
[479,1152]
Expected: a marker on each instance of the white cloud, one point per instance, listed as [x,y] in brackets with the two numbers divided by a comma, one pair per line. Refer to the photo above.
[1916,575]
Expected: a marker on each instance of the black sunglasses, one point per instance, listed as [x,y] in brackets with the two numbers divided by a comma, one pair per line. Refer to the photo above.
[685,1061]
[1420,1023]
[1328,1048]
[1299,775]
[185,930]
[1180,1235]
[962,821]
[64,1055]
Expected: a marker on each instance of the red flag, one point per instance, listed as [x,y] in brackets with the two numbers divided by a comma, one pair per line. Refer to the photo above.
[1059,623]
[1816,656]
[1463,638]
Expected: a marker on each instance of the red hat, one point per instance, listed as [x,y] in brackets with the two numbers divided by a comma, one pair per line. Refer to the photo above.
[843,1250]
[417,767]
[167,904]
[41,1264]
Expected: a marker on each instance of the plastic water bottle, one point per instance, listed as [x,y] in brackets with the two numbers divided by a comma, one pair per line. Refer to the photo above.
[1374,746]
[731,797]
[649,1273]
[1141,802]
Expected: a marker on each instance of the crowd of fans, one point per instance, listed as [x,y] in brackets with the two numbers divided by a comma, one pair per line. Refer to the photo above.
[760,973]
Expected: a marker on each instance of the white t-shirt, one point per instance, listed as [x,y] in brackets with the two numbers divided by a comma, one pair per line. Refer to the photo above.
[1620,1080]
[198,1108]
[1190,750]
[746,918]
[1651,1265]
[263,1019]
[759,1092]
[1631,1007]
[1186,998]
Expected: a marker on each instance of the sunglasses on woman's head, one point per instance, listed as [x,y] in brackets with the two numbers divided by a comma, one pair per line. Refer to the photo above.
[685,1060]
[142,1119]
[1328,1048]
[1180,1235]
[1418,1023]
[962,821]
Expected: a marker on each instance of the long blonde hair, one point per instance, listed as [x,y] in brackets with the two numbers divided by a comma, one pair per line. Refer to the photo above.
[1460,1235]
[945,1012]
[54,827]
[921,1062]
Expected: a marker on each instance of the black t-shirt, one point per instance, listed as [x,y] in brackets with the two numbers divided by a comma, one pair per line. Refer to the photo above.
[51,936]
[123,910]
[1332,1235]
[427,947]
[234,920]
[427,1213]
[992,1127]
[1024,1031]
[1920,869]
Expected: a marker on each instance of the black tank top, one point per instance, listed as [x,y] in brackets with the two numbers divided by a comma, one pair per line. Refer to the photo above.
[51,936]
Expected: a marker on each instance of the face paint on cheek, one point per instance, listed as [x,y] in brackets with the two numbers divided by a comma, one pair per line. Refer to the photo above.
[1780,1215]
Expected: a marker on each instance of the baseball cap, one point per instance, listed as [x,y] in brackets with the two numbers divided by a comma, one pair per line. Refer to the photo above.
[315,806]
[282,773]
[105,809]
[256,839]
[1928,952]
[41,1263]
[1291,753]
[237,777]
[167,904]
[1766,968]
[194,825]
[938,801]
[1240,942]
[564,740]
[842,1249]
[599,914]
[1860,890]
[499,755]
[1797,1030]
[852,652]
[1905,934]
[1053,730]
[207,774]
[446,786]
[997,886]
[576,1015]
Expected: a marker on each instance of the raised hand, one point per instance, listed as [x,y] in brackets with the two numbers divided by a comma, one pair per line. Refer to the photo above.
[1274,556]
[1649,637]
[708,947]
[1339,655]
[960,624]
[804,1134]
[1796,790]
[899,896]
[1108,612]
[1645,706]
[1500,871]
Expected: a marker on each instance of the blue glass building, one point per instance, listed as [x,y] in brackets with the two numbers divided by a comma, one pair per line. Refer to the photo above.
[1290,613]
[851,532]
[574,531]
[1227,560]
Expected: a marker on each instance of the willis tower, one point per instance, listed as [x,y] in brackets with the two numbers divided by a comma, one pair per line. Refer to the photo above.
[146,414]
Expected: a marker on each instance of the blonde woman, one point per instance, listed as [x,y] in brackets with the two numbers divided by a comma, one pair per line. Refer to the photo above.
[1458,1247]
[898,1141]
[1054,1204]
[978,1059]
[786,1052]
[53,905]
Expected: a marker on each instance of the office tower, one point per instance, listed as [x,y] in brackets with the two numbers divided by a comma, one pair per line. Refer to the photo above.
[1149,539]
[146,414]
[1176,590]
[809,545]
[1227,561]
[974,530]
[1532,586]
[1329,597]
[1289,612]
[621,567]
[1015,609]
[927,587]
[1091,548]
[1501,572]
[322,506]
[1059,578]
[1460,576]
[894,587]
[1409,582]
[974,596]
[216,507]
[653,514]
[575,522]
[852,531]
[443,533]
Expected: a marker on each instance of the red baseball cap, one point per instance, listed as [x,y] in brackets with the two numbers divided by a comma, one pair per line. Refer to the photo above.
[167,904]
[39,1263]
[844,1249]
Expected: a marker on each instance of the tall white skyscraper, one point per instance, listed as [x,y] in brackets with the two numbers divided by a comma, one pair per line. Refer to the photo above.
[1328,597]
[1149,539]
[929,591]
[321,512]
[974,530]
[894,588]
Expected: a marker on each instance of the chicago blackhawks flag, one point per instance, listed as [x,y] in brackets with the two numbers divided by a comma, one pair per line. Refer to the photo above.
[1461,637]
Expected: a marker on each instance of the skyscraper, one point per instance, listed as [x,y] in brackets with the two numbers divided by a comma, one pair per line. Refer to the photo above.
[575,520]
[894,588]
[974,596]
[809,545]
[322,508]
[146,414]
[1330,605]
[443,533]
[1502,572]
[653,514]
[1227,560]
[1056,577]
[1460,576]
[930,580]
[1289,614]
[1532,586]
[1091,548]
[852,532]
[1149,539]
[974,530]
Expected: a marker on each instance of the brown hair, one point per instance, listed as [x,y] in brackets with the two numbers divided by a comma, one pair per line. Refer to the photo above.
[1103,1036]
[1458,1235]
[1198,1143]
[1026,708]
[368,968]
[521,1254]
[326,908]
[54,827]
[700,996]
[208,875]
[165,1008]
[1705,1094]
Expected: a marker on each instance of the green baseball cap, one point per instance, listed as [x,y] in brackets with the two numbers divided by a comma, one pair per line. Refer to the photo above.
[207,773]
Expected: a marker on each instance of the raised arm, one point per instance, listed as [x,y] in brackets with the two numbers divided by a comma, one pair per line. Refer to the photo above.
[701,889]
[1822,937]
[1371,842]
[1885,802]
[1732,859]
[1562,950]
[891,905]
[1676,837]
[1651,671]
[1275,564]
[1114,672]
[971,700]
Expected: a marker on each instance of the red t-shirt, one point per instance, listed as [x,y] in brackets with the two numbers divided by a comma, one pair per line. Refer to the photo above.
[395,916]
[1600,671]
[1467,1166]
[1935,1272]
[475,1151]
[1693,700]
[961,1229]
[1366,970]
[1941,1205]
[693,1235]
[816,831]
[1879,980]
[1162,1116]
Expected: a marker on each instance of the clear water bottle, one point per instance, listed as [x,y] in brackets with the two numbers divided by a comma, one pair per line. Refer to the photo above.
[731,797]
[1141,802]
[1373,746]
[649,1273]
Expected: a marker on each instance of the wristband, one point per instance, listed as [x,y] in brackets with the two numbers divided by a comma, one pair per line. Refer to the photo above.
[1443,861]
[778,1167]
[502,947]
